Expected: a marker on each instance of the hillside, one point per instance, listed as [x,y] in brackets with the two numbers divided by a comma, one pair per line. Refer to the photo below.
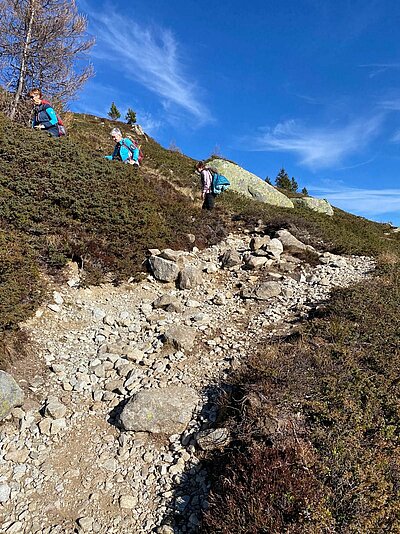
[306,388]
[61,201]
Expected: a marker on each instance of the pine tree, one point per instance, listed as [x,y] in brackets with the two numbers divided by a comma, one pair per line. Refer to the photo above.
[268,180]
[294,185]
[304,191]
[130,116]
[40,40]
[114,113]
[283,181]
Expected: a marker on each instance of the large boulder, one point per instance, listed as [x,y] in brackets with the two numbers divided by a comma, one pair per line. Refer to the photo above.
[189,277]
[250,185]
[321,205]
[160,411]
[163,270]
[290,243]
[11,394]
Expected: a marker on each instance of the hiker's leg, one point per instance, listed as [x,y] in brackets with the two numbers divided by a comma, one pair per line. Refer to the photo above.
[208,203]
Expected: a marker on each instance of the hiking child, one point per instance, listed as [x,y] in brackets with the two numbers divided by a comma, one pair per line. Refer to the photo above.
[44,116]
[125,149]
[206,186]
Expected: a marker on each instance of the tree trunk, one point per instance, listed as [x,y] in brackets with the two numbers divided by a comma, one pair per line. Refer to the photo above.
[24,61]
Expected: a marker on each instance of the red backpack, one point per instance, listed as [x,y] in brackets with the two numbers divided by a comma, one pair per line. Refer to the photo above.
[61,128]
[136,145]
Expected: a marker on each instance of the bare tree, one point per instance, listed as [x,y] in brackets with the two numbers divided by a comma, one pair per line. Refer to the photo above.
[40,40]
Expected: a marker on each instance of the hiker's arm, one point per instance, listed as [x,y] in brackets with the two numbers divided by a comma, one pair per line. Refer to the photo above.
[114,154]
[135,154]
[206,179]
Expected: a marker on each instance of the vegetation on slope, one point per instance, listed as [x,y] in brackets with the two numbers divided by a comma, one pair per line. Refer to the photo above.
[60,201]
[317,436]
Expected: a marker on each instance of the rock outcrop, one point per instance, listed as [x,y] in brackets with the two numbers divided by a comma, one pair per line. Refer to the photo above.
[250,185]
[11,394]
[321,205]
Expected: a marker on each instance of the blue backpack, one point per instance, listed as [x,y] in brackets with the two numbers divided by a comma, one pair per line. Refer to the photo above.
[219,184]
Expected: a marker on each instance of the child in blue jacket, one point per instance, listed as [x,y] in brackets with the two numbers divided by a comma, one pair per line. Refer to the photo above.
[125,150]
[44,116]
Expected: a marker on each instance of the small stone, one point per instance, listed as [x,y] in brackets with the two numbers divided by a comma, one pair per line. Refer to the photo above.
[58,298]
[5,492]
[86,523]
[57,426]
[54,307]
[128,502]
[55,409]
[45,425]
[15,528]
[17,456]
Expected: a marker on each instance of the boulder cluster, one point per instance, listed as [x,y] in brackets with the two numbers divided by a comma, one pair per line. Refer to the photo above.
[111,431]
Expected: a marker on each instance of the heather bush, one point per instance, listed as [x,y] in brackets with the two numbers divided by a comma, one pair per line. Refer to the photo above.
[335,392]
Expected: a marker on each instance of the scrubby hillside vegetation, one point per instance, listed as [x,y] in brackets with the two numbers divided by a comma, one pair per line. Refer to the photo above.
[315,416]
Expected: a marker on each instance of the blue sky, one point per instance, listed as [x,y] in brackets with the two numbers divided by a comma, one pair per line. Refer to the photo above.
[310,85]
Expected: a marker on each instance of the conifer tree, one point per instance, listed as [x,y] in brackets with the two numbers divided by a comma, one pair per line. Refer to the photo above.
[283,181]
[268,180]
[40,40]
[304,191]
[114,113]
[294,185]
[130,116]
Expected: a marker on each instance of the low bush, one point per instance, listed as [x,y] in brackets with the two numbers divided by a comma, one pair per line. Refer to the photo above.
[340,379]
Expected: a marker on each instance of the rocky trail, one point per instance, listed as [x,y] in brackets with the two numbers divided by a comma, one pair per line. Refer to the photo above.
[119,395]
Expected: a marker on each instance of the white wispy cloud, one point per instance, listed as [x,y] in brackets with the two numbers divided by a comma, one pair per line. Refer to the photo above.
[379,68]
[317,147]
[149,56]
[391,105]
[372,203]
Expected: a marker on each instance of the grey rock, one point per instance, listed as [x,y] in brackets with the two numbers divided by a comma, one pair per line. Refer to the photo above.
[189,277]
[169,303]
[213,438]
[267,290]
[321,205]
[210,268]
[58,299]
[160,411]
[11,394]
[55,409]
[5,492]
[290,243]
[250,185]
[172,255]
[259,242]
[86,523]
[231,258]
[256,262]
[181,337]
[275,248]
[163,270]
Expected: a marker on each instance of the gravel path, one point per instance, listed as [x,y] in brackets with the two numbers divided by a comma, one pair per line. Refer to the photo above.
[65,464]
